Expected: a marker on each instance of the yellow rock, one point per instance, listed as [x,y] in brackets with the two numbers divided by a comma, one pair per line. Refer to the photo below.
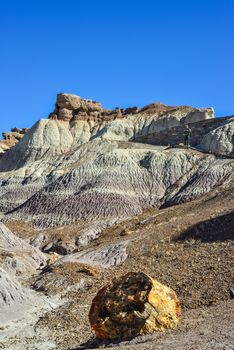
[52,259]
[134,304]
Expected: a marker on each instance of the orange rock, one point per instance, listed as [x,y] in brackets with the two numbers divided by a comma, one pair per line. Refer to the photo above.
[134,304]
[53,258]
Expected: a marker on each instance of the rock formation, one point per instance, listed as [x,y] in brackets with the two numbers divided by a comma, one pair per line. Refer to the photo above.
[134,304]
[109,182]
[11,138]
[80,181]
[82,164]
[76,121]
[220,140]
[105,257]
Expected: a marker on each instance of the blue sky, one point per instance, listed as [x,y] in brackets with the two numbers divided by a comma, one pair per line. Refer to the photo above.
[121,53]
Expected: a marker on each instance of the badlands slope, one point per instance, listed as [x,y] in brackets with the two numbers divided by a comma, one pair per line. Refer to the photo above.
[79,184]
[82,164]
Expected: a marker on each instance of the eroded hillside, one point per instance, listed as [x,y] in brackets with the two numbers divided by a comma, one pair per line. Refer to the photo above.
[89,194]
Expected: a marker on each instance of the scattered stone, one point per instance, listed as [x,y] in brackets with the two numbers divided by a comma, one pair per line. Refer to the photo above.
[53,257]
[88,270]
[134,304]
[232,293]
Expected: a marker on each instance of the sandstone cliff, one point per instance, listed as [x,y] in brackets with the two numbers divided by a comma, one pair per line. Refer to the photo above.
[11,138]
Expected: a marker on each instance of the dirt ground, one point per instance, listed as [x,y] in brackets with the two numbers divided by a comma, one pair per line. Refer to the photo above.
[199,329]
[188,247]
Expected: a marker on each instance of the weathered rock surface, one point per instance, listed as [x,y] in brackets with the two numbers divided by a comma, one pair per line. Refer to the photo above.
[134,304]
[110,181]
[74,102]
[220,140]
[63,278]
[82,168]
[11,292]
[81,165]
[17,261]
[107,256]
[76,121]
[11,138]
[8,240]
[17,257]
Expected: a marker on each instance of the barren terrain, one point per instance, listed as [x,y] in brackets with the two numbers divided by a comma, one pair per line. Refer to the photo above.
[188,247]
[82,203]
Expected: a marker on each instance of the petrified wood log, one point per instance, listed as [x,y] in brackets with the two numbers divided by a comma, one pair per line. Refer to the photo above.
[134,304]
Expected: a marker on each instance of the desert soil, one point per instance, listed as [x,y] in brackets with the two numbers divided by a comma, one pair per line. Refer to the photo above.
[188,247]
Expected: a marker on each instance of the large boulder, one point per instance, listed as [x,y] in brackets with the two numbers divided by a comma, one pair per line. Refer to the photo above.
[134,304]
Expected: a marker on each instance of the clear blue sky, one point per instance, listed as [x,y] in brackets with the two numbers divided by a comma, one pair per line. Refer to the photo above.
[121,53]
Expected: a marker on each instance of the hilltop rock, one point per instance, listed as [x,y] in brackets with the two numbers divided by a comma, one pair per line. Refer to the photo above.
[86,166]
[76,121]
[11,138]
[74,102]
[134,304]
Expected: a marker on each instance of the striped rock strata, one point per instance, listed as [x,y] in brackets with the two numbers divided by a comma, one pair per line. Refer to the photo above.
[87,166]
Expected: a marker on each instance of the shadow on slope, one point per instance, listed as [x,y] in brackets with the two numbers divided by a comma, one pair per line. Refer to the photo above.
[94,343]
[219,229]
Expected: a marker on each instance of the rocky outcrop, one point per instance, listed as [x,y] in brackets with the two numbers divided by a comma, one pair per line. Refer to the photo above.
[134,304]
[220,140]
[81,167]
[74,102]
[11,138]
[76,121]
[174,136]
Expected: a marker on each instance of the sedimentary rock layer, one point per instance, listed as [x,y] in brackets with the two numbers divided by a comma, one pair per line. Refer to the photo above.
[82,164]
